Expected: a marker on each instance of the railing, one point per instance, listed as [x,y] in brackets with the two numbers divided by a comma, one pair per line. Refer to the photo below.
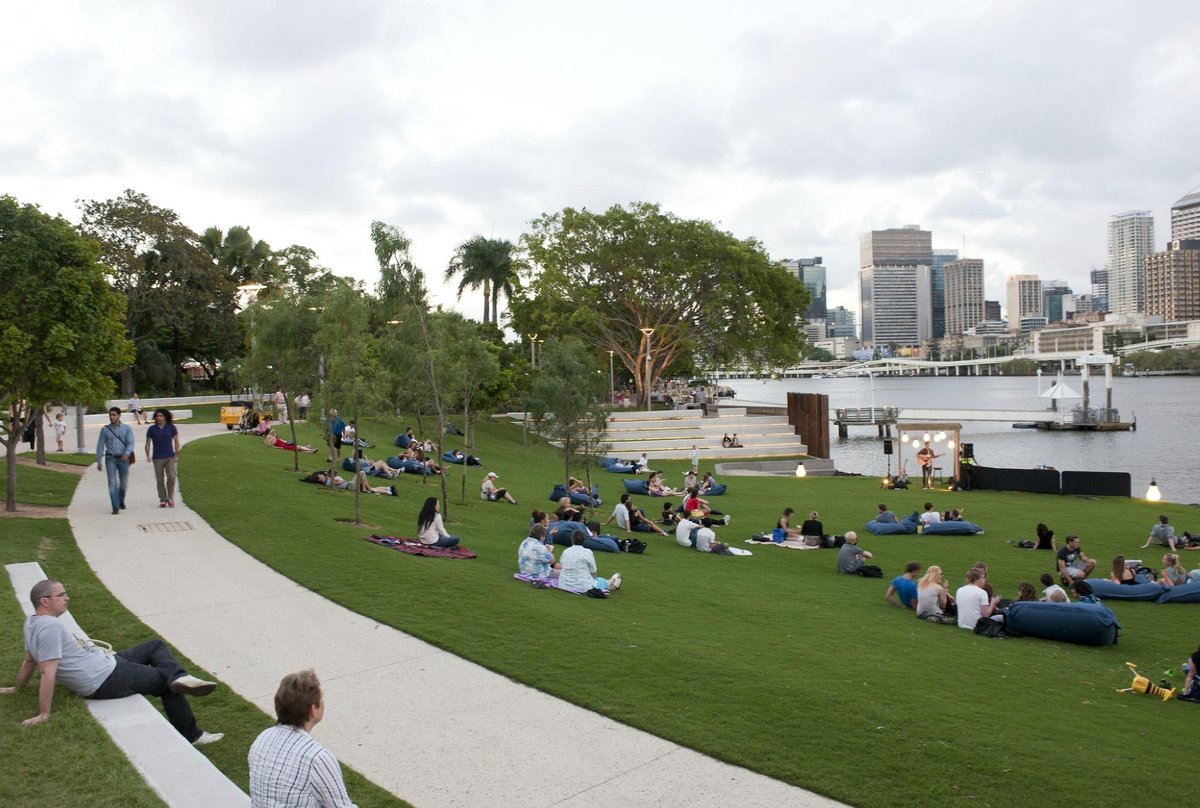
[1095,415]
[865,415]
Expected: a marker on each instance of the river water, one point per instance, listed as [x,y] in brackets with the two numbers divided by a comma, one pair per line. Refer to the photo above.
[1165,447]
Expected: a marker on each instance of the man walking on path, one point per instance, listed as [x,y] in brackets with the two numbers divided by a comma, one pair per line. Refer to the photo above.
[149,669]
[163,438]
[116,447]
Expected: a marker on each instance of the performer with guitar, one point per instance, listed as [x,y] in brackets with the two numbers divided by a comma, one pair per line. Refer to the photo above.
[925,458]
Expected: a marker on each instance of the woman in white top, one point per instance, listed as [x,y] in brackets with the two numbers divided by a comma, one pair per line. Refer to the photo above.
[429,526]
[933,601]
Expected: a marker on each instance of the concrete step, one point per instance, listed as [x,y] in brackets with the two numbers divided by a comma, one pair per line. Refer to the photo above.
[697,436]
[627,445]
[813,467]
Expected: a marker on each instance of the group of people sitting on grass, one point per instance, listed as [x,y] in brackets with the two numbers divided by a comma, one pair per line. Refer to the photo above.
[811,531]
[1132,573]
[575,570]
[928,516]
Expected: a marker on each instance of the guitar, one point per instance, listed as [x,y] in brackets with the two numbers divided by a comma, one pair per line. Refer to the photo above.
[924,460]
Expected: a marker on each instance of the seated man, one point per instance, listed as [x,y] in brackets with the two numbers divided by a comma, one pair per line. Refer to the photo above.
[692,532]
[578,573]
[638,521]
[1162,533]
[973,602]
[491,493]
[905,587]
[1050,588]
[148,669]
[901,480]
[930,516]
[851,557]
[734,443]
[620,514]
[1073,563]
[885,517]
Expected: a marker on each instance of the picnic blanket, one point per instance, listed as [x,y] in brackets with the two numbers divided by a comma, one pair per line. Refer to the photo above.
[791,544]
[551,583]
[414,547]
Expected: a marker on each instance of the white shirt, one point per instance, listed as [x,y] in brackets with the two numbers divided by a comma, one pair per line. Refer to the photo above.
[578,567]
[289,769]
[970,599]
[930,518]
[621,516]
[683,532]
[1050,590]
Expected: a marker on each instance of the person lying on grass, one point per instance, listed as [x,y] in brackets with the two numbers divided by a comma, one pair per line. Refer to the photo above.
[577,569]
[637,519]
[415,452]
[375,468]
[577,486]
[535,557]
[271,439]
[459,457]
[359,483]
[430,529]
[567,512]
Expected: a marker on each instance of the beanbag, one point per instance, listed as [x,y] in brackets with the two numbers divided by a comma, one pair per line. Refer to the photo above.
[952,529]
[637,486]
[577,498]
[1079,623]
[450,457]
[348,464]
[403,440]
[1107,590]
[1184,593]
[607,461]
[717,490]
[621,468]
[890,528]
[410,466]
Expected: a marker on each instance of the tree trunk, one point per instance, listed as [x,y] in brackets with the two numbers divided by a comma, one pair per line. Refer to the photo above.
[41,436]
[292,424]
[495,305]
[127,381]
[487,296]
[10,471]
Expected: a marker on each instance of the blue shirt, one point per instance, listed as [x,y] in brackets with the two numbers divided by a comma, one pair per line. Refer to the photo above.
[114,440]
[162,440]
[906,588]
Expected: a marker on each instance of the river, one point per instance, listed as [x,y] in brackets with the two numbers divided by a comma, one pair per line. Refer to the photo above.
[1165,447]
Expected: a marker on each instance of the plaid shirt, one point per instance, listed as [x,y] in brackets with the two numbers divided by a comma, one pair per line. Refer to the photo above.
[289,769]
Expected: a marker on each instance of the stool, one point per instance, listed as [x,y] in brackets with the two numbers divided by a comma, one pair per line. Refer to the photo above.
[937,475]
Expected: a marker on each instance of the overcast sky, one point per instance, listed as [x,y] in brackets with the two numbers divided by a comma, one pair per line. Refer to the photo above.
[1020,126]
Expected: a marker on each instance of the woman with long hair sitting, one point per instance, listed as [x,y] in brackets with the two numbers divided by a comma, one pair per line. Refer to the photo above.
[430,529]
[933,601]
[1121,574]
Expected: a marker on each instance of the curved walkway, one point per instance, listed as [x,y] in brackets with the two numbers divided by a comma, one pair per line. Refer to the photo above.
[456,734]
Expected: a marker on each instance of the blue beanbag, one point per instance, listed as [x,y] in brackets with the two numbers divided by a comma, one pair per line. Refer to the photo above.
[1184,593]
[1080,623]
[952,529]
[577,498]
[402,440]
[449,457]
[1107,590]
[637,486]
[621,468]
[607,461]
[717,490]
[348,464]
[890,528]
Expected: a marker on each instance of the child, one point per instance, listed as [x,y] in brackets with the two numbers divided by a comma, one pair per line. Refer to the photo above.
[60,430]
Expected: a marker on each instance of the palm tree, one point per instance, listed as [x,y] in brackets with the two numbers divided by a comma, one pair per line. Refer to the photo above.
[490,263]
[243,259]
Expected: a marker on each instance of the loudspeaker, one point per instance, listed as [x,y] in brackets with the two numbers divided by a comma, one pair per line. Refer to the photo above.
[968,451]
[887,446]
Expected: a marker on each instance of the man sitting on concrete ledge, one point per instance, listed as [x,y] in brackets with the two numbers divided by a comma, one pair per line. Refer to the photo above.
[148,669]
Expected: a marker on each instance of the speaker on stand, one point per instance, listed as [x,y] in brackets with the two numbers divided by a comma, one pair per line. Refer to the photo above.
[887,450]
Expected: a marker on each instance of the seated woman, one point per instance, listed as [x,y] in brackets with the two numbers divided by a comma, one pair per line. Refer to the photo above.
[933,601]
[953,515]
[669,517]
[1025,591]
[1173,573]
[707,482]
[785,524]
[901,480]
[694,503]
[535,557]
[643,464]
[271,439]
[567,512]
[577,569]
[491,493]
[638,521]
[418,454]
[734,443]
[1121,574]
[577,486]
[689,479]
[359,483]
[1045,538]
[429,525]
[726,441]
[264,426]
[657,488]
[375,468]
[812,530]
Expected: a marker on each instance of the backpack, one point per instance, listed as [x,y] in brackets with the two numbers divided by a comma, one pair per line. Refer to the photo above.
[870,571]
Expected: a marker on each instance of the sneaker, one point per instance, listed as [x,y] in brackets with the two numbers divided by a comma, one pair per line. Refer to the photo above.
[614,583]
[170,503]
[207,738]
[727,518]
[538,583]
[393,490]
[162,503]
[115,511]
[192,686]
[122,506]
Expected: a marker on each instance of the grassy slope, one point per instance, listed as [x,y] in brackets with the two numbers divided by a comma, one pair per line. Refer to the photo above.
[772,662]
[38,486]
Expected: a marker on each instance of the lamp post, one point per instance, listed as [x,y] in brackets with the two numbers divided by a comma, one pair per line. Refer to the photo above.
[532,354]
[612,386]
[647,332]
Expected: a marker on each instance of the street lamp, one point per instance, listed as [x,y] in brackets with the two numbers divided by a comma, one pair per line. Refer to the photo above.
[612,386]
[647,332]
[532,355]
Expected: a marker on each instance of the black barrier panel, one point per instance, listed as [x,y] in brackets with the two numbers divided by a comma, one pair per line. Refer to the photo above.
[1097,483]
[887,447]
[1034,481]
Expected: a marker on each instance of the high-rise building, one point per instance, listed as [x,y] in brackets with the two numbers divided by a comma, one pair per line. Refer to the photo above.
[1053,293]
[841,322]
[964,295]
[1173,281]
[991,310]
[937,282]
[810,272]
[894,286]
[1099,290]
[1130,240]
[1024,299]
[1185,218]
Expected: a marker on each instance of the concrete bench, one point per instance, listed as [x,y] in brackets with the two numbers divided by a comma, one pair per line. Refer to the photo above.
[101,418]
[177,771]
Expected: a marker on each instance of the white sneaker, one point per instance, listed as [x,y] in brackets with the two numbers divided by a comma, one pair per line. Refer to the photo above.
[614,583]
[727,518]
[207,738]
[191,686]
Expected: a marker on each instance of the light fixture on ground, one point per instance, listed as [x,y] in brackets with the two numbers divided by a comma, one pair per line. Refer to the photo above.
[1152,493]
[800,470]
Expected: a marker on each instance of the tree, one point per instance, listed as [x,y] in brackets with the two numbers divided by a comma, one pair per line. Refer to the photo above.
[62,332]
[566,400]
[490,263]
[243,258]
[607,276]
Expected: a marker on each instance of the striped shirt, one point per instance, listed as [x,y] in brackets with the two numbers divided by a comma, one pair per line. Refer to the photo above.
[289,769]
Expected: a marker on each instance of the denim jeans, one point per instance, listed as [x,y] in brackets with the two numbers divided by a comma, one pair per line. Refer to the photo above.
[148,669]
[117,469]
[446,541]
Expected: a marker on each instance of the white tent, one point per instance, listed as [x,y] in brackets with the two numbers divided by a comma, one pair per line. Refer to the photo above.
[1059,391]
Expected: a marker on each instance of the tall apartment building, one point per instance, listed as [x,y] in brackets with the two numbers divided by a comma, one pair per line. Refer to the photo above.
[1130,240]
[1024,299]
[841,322]
[1185,218]
[1099,290]
[991,311]
[1053,293]
[810,272]
[1173,281]
[894,286]
[937,290]
[964,295]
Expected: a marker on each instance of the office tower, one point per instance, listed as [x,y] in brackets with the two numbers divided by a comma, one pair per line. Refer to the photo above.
[1053,293]
[841,322]
[894,286]
[1173,281]
[1099,290]
[964,295]
[1130,240]
[1185,218]
[991,310]
[1024,299]
[937,296]
[810,272]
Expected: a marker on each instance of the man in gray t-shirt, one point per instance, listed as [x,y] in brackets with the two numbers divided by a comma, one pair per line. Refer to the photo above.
[148,669]
[850,556]
[1162,533]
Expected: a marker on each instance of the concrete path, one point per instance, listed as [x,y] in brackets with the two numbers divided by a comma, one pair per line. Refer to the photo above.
[456,735]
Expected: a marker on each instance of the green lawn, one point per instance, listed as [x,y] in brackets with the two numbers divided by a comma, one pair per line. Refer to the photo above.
[41,486]
[56,763]
[772,662]
[67,458]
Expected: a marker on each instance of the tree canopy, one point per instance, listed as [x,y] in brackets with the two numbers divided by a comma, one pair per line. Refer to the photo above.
[607,277]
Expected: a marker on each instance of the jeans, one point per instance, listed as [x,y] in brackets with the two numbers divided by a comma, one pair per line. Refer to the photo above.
[117,469]
[602,544]
[164,475]
[446,541]
[148,670]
